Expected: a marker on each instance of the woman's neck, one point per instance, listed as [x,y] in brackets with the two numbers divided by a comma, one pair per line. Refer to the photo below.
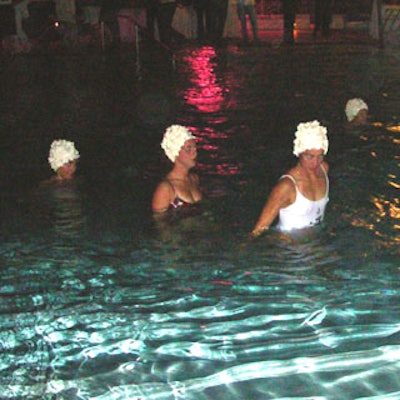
[179,172]
[307,172]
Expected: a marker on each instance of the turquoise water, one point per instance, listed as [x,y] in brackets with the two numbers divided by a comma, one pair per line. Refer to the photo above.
[99,302]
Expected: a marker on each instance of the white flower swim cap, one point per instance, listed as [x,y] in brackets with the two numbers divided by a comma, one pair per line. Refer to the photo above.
[62,152]
[174,138]
[310,135]
[353,107]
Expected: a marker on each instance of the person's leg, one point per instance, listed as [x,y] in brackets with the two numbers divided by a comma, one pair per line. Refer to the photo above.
[218,11]
[212,19]
[317,16]
[242,18]
[151,11]
[222,14]
[326,18]
[201,8]
[289,9]
[251,11]
[289,19]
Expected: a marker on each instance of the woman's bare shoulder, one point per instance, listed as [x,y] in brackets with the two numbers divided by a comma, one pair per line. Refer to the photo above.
[284,188]
[162,196]
[165,186]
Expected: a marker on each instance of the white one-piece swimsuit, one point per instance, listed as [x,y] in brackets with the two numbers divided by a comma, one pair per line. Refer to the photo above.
[303,213]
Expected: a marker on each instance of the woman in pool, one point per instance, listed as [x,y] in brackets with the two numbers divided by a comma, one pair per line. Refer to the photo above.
[63,157]
[356,112]
[301,195]
[58,198]
[180,188]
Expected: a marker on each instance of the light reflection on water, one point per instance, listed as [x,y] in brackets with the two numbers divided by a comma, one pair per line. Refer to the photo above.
[98,302]
[206,94]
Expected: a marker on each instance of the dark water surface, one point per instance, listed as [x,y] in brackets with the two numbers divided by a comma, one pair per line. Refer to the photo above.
[98,302]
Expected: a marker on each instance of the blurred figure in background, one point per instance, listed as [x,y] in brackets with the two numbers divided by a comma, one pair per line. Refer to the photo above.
[165,15]
[151,15]
[323,17]
[218,14]
[289,11]
[202,8]
[356,112]
[244,8]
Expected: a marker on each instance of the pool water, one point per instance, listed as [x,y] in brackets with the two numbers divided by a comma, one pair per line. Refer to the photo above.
[98,301]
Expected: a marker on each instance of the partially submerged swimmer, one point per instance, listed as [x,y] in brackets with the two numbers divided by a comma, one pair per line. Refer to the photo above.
[301,195]
[63,158]
[356,112]
[58,198]
[180,188]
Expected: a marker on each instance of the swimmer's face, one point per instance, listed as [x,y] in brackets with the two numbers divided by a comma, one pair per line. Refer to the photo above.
[361,118]
[188,153]
[312,159]
[67,171]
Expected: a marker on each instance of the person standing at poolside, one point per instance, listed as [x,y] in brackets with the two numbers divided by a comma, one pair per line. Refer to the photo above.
[180,188]
[218,10]
[244,8]
[289,10]
[323,17]
[202,8]
[301,195]
[165,15]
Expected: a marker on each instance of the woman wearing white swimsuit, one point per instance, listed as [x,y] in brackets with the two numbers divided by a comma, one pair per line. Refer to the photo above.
[301,195]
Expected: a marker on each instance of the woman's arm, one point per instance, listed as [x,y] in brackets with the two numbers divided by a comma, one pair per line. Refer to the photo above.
[282,195]
[162,198]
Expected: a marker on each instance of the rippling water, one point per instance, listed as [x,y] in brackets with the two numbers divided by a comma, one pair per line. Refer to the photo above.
[98,302]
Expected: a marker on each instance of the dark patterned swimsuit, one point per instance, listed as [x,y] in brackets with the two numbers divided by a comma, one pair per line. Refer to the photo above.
[183,207]
[178,203]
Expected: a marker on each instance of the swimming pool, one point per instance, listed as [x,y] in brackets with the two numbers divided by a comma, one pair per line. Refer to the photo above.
[98,302]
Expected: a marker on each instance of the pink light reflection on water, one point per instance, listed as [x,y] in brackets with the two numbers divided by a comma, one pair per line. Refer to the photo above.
[205,92]
[215,160]
[209,93]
